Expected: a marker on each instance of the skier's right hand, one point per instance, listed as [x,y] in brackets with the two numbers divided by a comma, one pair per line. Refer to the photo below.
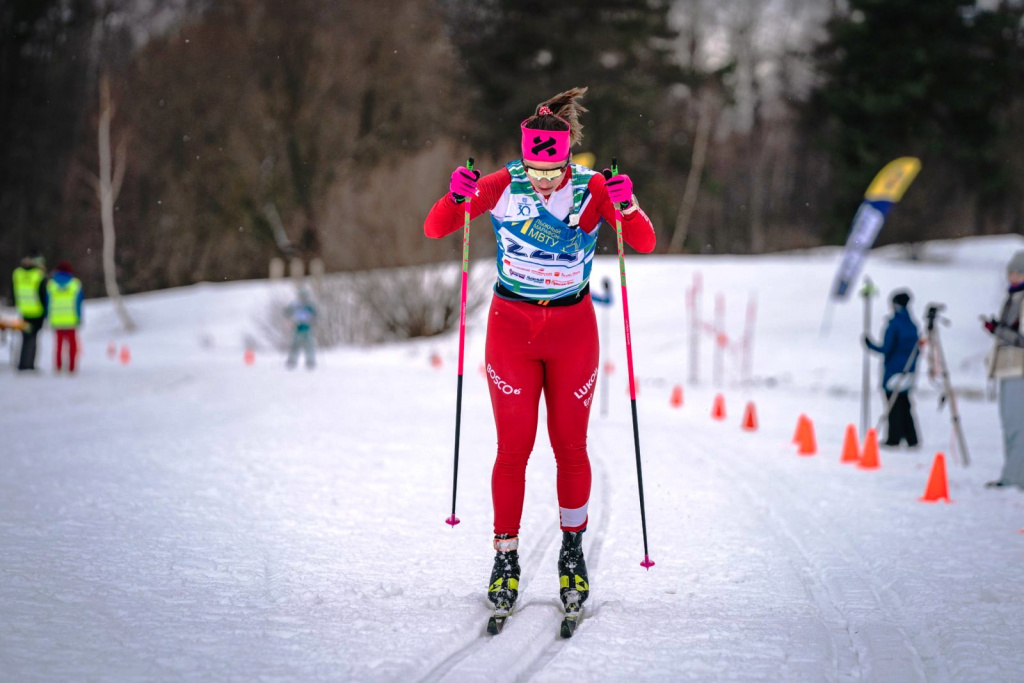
[991,325]
[463,183]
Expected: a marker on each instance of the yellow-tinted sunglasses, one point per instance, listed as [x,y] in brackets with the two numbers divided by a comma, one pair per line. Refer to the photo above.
[545,174]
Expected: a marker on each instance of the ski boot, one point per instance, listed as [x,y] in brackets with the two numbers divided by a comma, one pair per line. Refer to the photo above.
[504,588]
[572,576]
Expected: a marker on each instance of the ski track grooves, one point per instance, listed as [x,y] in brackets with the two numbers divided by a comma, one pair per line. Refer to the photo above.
[555,645]
[531,561]
[838,579]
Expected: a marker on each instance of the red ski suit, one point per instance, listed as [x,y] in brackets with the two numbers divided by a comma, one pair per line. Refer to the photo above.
[532,348]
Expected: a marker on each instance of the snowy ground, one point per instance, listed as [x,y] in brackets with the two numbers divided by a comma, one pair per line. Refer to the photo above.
[188,517]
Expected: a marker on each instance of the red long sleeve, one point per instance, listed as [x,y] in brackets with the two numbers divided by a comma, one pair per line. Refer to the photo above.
[447,216]
[637,229]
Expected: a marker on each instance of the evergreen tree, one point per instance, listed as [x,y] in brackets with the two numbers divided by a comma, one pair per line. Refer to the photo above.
[517,53]
[43,68]
[905,77]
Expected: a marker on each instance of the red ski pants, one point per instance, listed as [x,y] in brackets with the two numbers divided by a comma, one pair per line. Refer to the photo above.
[69,338]
[531,349]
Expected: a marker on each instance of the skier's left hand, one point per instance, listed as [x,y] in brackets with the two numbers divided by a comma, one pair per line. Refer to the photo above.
[991,325]
[867,341]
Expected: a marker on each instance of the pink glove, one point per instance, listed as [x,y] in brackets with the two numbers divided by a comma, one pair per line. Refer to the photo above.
[620,188]
[463,183]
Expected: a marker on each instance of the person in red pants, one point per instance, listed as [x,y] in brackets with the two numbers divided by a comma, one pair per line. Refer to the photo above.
[64,292]
[541,331]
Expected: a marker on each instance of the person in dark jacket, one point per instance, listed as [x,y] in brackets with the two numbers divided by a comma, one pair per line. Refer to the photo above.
[30,298]
[899,351]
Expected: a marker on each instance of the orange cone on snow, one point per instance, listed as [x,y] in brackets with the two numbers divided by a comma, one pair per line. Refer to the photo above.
[937,488]
[677,396]
[851,449]
[801,427]
[750,418]
[718,408]
[807,443]
[435,360]
[249,357]
[869,458]
[126,355]
[111,350]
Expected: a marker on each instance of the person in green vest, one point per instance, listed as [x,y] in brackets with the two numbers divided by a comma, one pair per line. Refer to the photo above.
[30,299]
[65,312]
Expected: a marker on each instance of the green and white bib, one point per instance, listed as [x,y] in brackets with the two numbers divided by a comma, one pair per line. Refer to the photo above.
[542,255]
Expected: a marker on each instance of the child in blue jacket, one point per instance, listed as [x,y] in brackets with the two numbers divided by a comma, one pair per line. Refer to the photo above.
[899,351]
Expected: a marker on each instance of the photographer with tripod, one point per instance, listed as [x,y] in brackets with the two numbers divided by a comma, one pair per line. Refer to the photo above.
[1007,365]
[899,350]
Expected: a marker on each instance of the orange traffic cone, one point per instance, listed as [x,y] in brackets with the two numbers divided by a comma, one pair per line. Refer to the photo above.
[718,408]
[851,449]
[677,396]
[869,459]
[808,444]
[249,357]
[750,418]
[126,355]
[801,427]
[937,488]
[111,350]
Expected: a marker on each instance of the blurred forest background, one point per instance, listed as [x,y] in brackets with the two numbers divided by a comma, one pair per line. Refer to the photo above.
[249,129]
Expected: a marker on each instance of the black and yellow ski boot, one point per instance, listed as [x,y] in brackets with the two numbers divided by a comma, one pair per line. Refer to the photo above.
[572,577]
[504,588]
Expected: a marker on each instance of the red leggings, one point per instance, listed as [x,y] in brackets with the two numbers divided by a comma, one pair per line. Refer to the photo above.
[67,337]
[532,348]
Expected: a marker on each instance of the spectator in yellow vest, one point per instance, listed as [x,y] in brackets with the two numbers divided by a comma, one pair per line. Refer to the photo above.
[65,312]
[30,300]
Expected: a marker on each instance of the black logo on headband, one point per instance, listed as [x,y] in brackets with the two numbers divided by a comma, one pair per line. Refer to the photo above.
[543,145]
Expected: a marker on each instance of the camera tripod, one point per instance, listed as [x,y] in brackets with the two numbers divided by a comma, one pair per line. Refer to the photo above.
[936,366]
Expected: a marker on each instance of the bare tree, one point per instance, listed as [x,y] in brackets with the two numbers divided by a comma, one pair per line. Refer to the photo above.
[708,105]
[108,186]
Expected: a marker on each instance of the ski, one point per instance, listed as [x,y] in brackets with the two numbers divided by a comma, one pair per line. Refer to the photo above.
[496,622]
[573,614]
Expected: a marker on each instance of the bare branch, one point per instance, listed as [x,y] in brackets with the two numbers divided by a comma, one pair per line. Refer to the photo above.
[120,163]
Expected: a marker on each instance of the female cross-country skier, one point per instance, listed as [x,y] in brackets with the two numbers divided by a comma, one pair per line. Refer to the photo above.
[541,329]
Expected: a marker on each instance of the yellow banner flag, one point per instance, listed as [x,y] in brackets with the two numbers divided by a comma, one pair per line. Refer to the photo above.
[893,180]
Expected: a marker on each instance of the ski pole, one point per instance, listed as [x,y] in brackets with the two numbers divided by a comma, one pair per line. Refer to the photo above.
[607,284]
[898,387]
[648,562]
[866,292]
[453,520]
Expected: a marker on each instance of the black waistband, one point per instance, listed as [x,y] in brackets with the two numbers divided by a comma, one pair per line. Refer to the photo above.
[506,293]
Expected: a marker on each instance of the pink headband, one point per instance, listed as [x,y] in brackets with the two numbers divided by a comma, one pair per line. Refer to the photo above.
[545,145]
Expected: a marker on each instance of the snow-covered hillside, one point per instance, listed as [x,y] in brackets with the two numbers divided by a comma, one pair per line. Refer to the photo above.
[190,517]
